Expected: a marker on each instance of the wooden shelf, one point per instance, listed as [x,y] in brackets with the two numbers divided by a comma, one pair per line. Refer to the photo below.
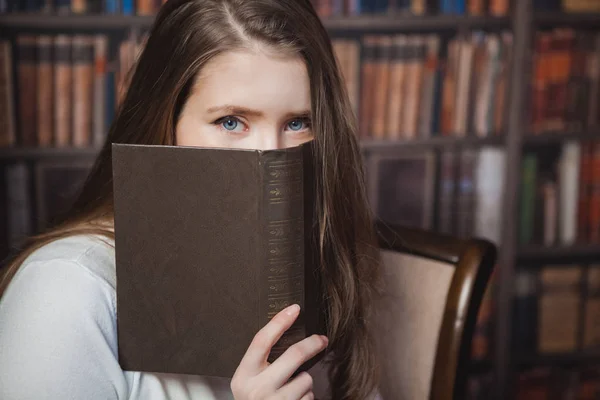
[477,367]
[439,142]
[539,253]
[566,359]
[18,154]
[362,23]
[412,23]
[579,20]
[36,21]
[559,137]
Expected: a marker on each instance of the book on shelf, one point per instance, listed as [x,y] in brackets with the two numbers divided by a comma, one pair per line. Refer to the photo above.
[57,184]
[417,86]
[524,311]
[8,127]
[401,188]
[325,8]
[581,6]
[591,323]
[559,308]
[225,239]
[67,88]
[565,84]
[559,197]
[17,178]
[546,383]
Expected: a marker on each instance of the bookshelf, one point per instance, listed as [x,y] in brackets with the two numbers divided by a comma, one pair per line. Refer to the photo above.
[368,23]
[522,22]
[16,154]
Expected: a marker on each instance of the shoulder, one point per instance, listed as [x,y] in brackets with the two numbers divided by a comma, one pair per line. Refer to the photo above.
[60,307]
[92,254]
[69,275]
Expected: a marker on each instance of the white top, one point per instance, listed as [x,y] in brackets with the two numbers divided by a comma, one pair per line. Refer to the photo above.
[58,333]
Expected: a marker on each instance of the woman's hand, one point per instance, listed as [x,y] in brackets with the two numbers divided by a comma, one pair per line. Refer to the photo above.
[256,379]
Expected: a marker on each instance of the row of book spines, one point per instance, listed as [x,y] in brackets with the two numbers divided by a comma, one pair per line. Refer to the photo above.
[547,383]
[413,85]
[325,8]
[67,90]
[575,6]
[124,7]
[557,309]
[560,203]
[328,8]
[565,81]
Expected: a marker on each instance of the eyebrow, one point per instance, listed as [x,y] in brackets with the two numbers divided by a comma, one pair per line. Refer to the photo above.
[230,109]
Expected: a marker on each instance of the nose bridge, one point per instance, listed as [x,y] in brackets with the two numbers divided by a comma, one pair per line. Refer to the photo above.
[269,137]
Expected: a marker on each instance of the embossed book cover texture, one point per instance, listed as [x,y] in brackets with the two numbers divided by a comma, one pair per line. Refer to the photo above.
[210,244]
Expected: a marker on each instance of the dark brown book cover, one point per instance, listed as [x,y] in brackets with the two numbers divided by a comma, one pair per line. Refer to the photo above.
[210,245]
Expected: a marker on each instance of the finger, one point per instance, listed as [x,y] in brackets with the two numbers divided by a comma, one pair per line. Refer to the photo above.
[308,396]
[297,388]
[256,356]
[283,367]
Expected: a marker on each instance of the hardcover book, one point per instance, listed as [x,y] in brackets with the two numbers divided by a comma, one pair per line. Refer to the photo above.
[210,244]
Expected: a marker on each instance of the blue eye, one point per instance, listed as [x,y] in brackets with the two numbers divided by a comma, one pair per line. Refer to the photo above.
[297,125]
[229,123]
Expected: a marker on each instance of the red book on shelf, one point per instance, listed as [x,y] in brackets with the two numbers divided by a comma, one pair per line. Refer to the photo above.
[594,193]
[585,180]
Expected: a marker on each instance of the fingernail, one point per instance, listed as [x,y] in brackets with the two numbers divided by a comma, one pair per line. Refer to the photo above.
[325,339]
[293,309]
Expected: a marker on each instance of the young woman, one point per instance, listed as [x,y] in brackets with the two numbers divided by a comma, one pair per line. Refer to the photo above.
[220,73]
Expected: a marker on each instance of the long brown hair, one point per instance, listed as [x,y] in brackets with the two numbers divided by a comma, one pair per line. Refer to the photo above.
[185,35]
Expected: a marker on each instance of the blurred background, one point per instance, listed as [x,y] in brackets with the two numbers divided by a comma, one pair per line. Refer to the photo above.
[477,118]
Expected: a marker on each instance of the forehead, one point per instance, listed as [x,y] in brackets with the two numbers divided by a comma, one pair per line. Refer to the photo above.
[255,79]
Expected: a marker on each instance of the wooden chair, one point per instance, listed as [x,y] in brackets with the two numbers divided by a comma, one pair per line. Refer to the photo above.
[434,285]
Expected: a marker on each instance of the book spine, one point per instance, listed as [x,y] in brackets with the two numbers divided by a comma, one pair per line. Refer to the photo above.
[381,84]
[528,187]
[569,189]
[594,200]
[83,88]
[18,204]
[369,44]
[559,308]
[466,193]
[27,85]
[583,197]
[63,88]
[282,274]
[99,119]
[7,105]
[591,329]
[45,92]
[413,88]
[396,94]
[524,328]
[428,93]
[447,192]
[353,60]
